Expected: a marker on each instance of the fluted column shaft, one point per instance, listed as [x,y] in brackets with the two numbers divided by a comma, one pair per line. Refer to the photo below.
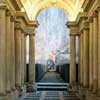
[25,57]
[13,52]
[72,60]
[2,50]
[90,54]
[81,58]
[99,51]
[85,57]
[95,54]
[22,61]
[8,51]
[18,55]
[31,58]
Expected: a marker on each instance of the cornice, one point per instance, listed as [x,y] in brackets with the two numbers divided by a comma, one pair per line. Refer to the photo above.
[15,3]
[3,5]
[11,7]
[81,16]
[87,5]
[3,1]
[23,16]
[91,6]
[71,24]
[73,27]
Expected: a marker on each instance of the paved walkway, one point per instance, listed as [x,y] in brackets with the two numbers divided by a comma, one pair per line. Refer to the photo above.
[52,77]
[50,95]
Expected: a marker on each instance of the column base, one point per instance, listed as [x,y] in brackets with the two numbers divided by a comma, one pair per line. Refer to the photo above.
[19,89]
[3,96]
[31,87]
[13,95]
[23,89]
[98,93]
[82,93]
[9,96]
[85,94]
[73,88]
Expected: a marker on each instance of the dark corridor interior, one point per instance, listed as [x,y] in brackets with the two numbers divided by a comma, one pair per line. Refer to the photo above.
[62,71]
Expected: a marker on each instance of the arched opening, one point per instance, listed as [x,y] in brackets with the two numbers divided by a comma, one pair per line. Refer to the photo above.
[52,46]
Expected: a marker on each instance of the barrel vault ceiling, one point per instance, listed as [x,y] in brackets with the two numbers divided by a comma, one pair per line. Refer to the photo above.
[33,7]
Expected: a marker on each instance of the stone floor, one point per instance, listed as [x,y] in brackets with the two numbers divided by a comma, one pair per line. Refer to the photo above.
[50,95]
[52,77]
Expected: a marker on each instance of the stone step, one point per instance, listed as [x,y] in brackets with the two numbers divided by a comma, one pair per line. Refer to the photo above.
[52,86]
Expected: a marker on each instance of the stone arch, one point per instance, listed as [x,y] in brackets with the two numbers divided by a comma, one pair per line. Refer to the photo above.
[67,7]
[71,7]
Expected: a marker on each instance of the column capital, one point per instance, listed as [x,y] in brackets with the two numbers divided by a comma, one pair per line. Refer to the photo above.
[18,25]
[86,25]
[73,31]
[80,31]
[30,31]
[31,34]
[12,18]
[8,13]
[73,34]
[3,5]
[98,9]
[95,14]
[90,19]
[23,30]
[26,34]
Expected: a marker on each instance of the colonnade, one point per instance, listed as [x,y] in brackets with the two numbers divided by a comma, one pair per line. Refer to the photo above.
[13,32]
[88,30]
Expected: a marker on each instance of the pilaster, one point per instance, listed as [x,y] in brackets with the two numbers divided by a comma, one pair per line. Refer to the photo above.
[18,59]
[2,51]
[22,57]
[12,28]
[85,55]
[90,53]
[95,53]
[8,51]
[99,51]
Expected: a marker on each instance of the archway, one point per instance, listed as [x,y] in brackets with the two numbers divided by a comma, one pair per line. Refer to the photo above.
[71,7]
[52,43]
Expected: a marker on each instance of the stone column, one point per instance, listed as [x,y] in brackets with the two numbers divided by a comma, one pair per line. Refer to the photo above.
[72,60]
[8,51]
[25,57]
[95,54]
[13,52]
[81,57]
[90,54]
[18,59]
[31,58]
[99,51]
[22,58]
[31,63]
[2,49]
[85,56]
